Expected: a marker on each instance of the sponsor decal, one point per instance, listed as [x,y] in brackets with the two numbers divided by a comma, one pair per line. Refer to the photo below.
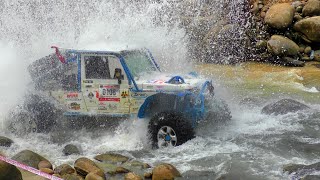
[74,106]
[102,108]
[110,99]
[90,95]
[113,107]
[87,81]
[72,97]
[124,94]
[137,95]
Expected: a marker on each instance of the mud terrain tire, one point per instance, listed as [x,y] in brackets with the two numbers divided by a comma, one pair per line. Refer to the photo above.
[35,111]
[171,128]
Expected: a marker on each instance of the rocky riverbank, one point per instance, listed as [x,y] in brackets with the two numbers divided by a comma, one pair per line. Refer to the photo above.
[285,32]
[101,167]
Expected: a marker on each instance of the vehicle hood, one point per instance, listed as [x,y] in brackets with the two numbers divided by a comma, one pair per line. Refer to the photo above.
[160,82]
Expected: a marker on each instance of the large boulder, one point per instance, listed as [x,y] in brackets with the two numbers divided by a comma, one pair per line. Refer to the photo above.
[70,149]
[29,158]
[9,172]
[165,171]
[6,142]
[312,8]
[284,106]
[84,166]
[282,46]
[280,15]
[309,28]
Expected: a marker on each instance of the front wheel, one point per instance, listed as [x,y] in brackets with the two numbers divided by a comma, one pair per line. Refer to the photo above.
[169,129]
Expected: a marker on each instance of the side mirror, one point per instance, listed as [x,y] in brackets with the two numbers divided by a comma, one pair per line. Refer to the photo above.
[118,75]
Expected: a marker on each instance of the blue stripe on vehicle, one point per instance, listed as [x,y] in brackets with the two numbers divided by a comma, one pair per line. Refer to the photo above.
[79,71]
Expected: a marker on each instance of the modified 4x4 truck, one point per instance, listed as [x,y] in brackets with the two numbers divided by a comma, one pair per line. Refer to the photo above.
[113,85]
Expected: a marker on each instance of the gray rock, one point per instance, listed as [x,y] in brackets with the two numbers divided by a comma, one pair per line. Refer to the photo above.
[309,28]
[284,106]
[290,168]
[282,46]
[316,55]
[9,172]
[307,50]
[312,8]
[111,158]
[70,149]
[4,141]
[311,177]
[280,15]
[288,61]
[29,158]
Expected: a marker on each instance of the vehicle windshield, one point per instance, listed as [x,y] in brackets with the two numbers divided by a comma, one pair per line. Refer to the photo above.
[138,63]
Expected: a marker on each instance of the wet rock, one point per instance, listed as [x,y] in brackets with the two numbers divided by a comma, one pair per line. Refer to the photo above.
[316,55]
[312,8]
[307,50]
[9,172]
[284,106]
[282,46]
[147,175]
[121,170]
[70,149]
[297,17]
[311,177]
[93,176]
[299,9]
[29,158]
[6,142]
[138,164]
[72,177]
[309,28]
[290,168]
[111,158]
[44,164]
[132,176]
[46,170]
[64,169]
[85,166]
[261,45]
[280,15]
[288,61]
[165,171]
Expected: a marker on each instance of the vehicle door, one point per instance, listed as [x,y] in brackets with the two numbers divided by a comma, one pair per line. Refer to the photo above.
[104,84]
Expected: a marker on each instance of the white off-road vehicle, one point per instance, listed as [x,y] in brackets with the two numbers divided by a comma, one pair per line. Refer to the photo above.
[82,84]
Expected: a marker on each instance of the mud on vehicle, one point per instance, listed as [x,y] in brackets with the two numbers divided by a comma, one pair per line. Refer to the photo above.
[112,85]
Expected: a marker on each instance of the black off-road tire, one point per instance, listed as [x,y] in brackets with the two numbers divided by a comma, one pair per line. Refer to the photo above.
[36,111]
[182,127]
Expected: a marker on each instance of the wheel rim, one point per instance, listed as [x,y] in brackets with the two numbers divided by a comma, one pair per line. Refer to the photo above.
[166,137]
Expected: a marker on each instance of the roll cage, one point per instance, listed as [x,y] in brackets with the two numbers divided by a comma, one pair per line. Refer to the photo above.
[74,56]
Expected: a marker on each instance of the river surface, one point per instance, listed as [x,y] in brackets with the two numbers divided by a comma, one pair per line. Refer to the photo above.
[251,146]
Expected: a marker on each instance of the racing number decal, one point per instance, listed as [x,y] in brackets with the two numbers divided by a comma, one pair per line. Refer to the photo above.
[109,93]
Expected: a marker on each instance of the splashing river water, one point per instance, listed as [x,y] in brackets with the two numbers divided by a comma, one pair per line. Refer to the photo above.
[251,146]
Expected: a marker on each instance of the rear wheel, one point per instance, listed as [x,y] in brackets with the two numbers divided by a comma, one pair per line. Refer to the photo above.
[35,115]
[169,129]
